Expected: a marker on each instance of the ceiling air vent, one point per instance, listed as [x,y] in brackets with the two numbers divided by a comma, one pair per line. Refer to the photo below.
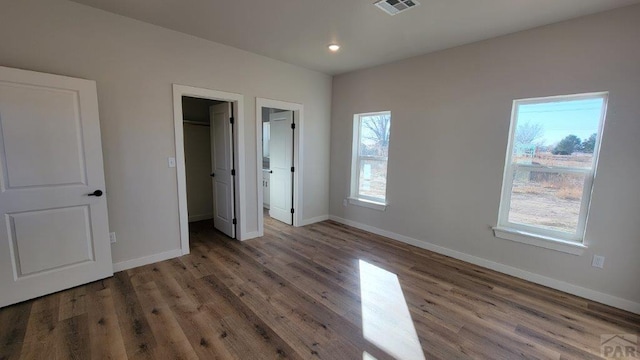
[393,7]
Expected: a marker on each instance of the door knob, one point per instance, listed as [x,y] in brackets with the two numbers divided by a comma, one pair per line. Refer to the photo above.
[96,193]
[213,175]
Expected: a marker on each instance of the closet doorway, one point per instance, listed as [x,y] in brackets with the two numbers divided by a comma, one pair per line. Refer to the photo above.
[208,167]
[207,160]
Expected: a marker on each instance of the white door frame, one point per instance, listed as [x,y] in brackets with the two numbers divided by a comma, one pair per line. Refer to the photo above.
[240,199]
[298,110]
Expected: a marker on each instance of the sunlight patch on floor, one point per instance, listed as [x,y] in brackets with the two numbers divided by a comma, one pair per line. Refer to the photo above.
[386,321]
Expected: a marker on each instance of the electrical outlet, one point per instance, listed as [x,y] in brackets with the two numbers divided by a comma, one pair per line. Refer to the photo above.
[112,237]
[172,162]
[598,261]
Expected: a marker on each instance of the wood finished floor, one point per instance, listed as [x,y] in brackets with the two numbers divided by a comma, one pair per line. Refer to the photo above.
[295,293]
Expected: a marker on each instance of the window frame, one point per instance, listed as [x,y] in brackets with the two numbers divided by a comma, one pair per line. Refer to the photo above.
[510,228]
[354,196]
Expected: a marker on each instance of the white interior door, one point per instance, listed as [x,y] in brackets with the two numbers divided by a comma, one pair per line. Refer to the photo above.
[53,235]
[281,161]
[222,164]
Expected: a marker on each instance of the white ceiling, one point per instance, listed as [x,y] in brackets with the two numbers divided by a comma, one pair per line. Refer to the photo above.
[298,31]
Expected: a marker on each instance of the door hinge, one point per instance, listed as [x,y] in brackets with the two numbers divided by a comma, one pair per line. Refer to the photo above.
[292,211]
[231,120]
[233,172]
[293,169]
[235,221]
[293,126]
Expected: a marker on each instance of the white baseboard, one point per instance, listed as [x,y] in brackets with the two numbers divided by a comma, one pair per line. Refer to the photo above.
[593,295]
[200,217]
[146,260]
[314,220]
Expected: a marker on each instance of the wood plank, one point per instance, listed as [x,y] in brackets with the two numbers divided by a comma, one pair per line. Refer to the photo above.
[72,303]
[171,340]
[105,334]
[13,327]
[136,333]
[283,348]
[72,338]
[39,340]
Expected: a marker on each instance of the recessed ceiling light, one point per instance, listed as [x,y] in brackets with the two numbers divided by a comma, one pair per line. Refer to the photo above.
[334,47]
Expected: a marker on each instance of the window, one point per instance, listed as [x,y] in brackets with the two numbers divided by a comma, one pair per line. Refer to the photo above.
[550,166]
[370,155]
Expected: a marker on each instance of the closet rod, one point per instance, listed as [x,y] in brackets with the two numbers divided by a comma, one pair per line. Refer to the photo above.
[194,123]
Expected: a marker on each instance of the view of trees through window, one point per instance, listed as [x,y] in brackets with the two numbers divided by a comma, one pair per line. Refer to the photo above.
[553,156]
[374,131]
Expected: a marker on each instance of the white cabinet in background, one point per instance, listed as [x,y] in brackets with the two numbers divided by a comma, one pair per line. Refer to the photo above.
[265,186]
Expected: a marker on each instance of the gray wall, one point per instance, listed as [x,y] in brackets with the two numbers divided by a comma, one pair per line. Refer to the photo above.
[135,65]
[451,113]
[197,155]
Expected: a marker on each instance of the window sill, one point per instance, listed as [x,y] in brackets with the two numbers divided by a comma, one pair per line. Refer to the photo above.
[368,204]
[540,241]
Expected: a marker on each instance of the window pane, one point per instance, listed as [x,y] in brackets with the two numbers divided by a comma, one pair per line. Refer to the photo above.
[545,158]
[547,200]
[557,133]
[373,179]
[374,135]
